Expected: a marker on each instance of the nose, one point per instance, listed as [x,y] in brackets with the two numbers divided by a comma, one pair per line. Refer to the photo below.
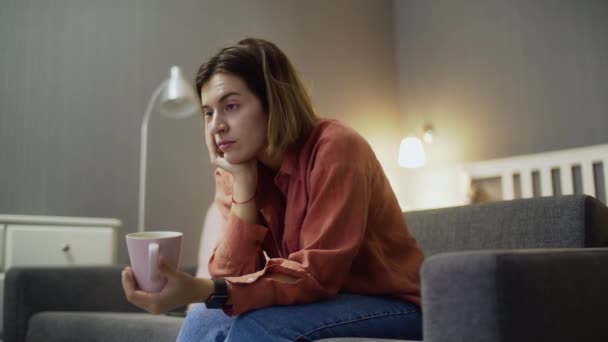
[218,125]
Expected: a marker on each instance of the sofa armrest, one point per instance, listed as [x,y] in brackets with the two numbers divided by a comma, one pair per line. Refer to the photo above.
[516,295]
[31,290]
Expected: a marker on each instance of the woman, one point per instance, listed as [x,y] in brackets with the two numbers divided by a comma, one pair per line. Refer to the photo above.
[314,244]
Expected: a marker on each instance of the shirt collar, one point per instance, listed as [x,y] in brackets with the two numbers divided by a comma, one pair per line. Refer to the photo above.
[289,165]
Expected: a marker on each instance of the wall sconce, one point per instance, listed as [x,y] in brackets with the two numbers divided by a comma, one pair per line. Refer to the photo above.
[427,134]
[411,150]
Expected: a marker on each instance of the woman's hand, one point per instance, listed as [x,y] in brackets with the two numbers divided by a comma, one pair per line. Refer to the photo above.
[181,289]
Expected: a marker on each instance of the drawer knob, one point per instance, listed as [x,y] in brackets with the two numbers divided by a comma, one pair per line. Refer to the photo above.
[66,247]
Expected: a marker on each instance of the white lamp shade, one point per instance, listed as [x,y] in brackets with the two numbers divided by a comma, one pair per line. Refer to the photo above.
[411,153]
[178,100]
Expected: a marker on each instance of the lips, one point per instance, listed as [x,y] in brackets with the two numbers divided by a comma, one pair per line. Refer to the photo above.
[225,145]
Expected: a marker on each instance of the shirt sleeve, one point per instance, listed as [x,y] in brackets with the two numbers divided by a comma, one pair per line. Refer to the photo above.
[239,250]
[331,235]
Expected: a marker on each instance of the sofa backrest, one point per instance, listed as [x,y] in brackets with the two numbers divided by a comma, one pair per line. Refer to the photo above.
[547,222]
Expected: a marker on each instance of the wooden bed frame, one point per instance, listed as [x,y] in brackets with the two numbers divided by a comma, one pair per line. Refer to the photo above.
[572,171]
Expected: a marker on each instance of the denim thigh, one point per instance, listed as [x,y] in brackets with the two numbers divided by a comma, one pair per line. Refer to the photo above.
[346,315]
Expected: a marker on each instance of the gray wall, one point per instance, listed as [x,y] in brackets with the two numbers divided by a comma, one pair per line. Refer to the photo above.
[503,77]
[76,76]
[495,77]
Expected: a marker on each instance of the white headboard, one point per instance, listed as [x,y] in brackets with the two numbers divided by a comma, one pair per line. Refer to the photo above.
[577,170]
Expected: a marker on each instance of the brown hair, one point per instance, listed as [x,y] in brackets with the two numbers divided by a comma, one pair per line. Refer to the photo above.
[269,74]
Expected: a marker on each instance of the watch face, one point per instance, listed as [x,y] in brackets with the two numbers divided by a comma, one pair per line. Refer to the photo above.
[216,301]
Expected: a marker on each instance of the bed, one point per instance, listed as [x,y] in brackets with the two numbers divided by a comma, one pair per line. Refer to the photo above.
[581,170]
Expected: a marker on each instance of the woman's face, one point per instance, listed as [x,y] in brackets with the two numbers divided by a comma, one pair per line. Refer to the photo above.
[235,118]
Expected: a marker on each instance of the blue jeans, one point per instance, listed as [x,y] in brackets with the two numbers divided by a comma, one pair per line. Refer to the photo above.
[345,315]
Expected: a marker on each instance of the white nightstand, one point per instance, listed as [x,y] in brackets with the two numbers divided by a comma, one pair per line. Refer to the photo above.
[54,241]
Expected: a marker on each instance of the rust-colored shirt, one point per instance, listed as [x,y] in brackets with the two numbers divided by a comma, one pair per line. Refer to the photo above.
[327,218]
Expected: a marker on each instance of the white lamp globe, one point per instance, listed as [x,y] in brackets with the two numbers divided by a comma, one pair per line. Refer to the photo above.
[411,153]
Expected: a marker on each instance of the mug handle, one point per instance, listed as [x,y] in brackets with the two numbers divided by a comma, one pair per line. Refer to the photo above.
[153,260]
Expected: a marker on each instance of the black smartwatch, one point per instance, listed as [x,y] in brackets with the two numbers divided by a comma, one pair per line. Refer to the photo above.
[218,298]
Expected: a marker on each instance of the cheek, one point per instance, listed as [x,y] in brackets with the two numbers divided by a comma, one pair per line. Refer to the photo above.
[262,129]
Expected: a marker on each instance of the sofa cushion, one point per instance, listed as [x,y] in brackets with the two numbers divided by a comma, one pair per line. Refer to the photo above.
[516,295]
[114,327]
[63,326]
[547,222]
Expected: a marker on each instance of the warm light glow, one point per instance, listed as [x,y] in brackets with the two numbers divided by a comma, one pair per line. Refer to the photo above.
[428,136]
[411,153]
[427,133]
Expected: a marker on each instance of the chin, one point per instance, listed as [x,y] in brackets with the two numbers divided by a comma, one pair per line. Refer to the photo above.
[236,159]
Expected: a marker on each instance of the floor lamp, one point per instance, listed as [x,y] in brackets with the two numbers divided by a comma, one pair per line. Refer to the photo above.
[176,99]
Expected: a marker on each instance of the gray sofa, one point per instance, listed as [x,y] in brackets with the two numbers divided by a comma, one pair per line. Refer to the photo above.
[522,270]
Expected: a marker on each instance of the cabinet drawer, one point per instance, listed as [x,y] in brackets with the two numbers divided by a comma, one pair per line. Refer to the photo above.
[58,245]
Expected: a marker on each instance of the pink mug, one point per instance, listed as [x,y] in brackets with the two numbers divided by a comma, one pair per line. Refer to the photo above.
[145,248]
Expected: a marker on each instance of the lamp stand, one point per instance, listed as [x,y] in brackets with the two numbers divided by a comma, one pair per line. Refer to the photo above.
[143,154]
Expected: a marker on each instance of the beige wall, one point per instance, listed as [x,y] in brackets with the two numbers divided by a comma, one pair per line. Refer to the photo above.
[499,78]
[77,75]
[495,78]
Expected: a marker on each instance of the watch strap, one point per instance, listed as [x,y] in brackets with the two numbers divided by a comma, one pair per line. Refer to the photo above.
[220,295]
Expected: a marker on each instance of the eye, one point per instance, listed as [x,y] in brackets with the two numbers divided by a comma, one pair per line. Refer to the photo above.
[207,113]
[232,107]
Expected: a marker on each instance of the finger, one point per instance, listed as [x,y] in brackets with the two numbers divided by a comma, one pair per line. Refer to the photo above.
[127,282]
[139,298]
[224,164]
[164,267]
[211,146]
[143,300]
